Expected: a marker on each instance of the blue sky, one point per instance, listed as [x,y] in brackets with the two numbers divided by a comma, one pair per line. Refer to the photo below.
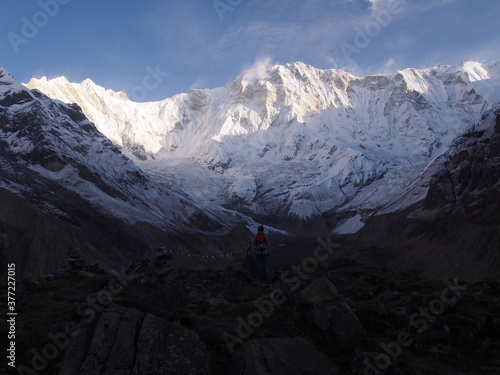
[155,49]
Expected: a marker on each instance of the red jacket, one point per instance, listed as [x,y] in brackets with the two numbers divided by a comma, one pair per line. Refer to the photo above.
[261,243]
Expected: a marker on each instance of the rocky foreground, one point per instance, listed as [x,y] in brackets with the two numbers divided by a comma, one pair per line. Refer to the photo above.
[321,314]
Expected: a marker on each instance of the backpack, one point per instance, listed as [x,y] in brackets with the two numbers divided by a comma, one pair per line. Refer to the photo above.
[260,242]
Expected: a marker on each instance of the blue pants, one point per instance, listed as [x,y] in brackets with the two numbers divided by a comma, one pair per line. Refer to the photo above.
[261,260]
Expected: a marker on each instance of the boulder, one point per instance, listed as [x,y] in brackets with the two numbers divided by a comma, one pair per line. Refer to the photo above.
[281,356]
[169,348]
[329,312]
[392,304]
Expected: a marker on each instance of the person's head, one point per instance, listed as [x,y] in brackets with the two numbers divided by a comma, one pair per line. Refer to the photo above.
[260,229]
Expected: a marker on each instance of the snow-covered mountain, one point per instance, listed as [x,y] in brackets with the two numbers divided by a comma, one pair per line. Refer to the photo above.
[57,141]
[72,179]
[447,222]
[289,142]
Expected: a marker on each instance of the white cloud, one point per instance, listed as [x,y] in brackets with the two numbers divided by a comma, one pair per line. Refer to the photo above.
[378,5]
[258,69]
[390,66]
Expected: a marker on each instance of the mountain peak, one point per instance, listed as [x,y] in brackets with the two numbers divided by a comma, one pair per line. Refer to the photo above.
[8,82]
[5,77]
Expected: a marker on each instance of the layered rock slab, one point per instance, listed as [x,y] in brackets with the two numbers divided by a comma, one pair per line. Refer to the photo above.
[125,341]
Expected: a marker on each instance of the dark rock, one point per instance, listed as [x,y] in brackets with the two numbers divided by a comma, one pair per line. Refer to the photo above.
[76,352]
[332,314]
[125,341]
[392,304]
[372,363]
[85,173]
[53,162]
[169,348]
[16,97]
[180,291]
[112,347]
[199,293]
[281,356]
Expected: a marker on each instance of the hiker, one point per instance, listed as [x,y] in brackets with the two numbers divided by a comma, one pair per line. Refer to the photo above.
[262,250]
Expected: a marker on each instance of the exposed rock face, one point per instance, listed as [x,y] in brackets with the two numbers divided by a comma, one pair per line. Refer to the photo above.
[452,228]
[467,181]
[281,356]
[128,342]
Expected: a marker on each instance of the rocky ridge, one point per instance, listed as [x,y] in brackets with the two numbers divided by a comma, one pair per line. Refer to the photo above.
[447,222]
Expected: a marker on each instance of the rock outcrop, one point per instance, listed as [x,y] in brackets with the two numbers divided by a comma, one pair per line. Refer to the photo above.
[125,341]
[281,356]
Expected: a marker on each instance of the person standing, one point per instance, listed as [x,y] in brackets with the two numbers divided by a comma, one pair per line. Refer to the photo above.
[262,249]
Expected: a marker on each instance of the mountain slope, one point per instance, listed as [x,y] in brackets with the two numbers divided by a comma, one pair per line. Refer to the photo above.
[293,142]
[447,223]
[69,175]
